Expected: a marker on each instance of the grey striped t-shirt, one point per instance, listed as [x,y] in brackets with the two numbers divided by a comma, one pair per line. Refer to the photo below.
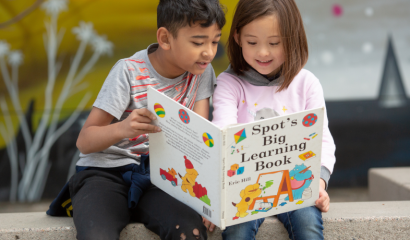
[125,89]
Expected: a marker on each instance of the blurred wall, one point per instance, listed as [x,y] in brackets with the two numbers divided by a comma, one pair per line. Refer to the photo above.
[55,55]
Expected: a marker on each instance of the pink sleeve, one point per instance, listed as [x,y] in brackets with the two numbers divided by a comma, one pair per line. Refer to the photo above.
[315,99]
[225,100]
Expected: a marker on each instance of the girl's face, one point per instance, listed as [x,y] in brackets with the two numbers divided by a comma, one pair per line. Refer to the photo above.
[262,46]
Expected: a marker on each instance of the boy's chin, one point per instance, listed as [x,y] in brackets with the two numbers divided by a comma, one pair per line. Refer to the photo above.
[197,71]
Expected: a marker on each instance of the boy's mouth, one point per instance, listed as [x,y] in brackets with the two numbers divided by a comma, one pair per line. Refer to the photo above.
[202,64]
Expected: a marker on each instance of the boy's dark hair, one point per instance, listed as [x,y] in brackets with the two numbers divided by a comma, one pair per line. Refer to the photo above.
[175,14]
[291,30]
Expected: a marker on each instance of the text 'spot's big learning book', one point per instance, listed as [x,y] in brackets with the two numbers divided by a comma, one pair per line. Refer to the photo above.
[239,173]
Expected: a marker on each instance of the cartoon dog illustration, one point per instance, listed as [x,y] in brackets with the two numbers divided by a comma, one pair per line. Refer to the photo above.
[248,194]
[188,181]
[172,172]
[300,179]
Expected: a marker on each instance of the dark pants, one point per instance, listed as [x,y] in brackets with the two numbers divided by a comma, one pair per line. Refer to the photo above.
[100,208]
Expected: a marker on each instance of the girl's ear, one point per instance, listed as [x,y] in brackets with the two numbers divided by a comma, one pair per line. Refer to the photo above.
[163,38]
[236,37]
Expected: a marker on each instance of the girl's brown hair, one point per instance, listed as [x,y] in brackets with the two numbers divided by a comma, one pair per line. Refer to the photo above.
[291,30]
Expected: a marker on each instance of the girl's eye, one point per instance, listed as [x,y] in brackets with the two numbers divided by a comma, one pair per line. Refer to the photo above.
[197,44]
[215,43]
[274,44]
[251,43]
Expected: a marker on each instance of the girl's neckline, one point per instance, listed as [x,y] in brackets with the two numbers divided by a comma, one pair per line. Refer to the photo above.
[273,78]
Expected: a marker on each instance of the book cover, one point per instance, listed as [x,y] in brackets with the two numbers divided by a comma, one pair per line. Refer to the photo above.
[241,172]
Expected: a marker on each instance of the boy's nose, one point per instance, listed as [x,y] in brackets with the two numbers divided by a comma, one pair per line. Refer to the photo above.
[208,53]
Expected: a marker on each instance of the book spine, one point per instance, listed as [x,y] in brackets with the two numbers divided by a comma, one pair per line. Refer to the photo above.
[223,179]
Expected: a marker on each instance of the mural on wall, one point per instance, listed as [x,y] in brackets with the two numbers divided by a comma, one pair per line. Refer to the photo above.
[32,158]
[53,63]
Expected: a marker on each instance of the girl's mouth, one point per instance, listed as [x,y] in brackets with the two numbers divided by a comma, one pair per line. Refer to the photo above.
[264,63]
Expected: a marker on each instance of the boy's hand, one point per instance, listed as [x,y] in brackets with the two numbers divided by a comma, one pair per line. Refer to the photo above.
[137,123]
[324,201]
[209,226]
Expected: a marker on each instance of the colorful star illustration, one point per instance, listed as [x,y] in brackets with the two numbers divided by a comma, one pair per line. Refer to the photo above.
[243,101]
[256,104]
[284,109]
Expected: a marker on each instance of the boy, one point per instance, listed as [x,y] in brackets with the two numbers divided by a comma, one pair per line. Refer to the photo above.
[112,184]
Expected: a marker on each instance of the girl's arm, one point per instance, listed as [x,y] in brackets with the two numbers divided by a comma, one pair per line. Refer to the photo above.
[98,134]
[315,99]
[225,100]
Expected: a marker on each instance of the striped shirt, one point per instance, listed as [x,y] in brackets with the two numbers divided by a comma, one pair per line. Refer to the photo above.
[125,89]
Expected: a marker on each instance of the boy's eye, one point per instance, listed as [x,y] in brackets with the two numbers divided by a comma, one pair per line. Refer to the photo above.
[197,44]
[251,43]
[273,44]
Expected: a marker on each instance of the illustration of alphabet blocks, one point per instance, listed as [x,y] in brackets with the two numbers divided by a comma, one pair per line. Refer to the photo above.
[240,170]
[234,167]
[231,173]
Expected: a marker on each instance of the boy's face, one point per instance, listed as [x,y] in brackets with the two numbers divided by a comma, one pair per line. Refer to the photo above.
[194,48]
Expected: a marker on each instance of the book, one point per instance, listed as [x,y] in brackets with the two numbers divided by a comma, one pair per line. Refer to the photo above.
[238,173]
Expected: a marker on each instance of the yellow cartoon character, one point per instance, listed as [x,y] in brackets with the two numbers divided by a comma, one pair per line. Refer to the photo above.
[248,194]
[188,181]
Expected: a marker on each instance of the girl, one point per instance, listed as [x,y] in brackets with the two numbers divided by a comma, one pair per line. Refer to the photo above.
[267,48]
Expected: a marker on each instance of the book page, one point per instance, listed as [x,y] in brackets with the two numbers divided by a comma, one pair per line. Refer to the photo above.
[185,156]
[273,166]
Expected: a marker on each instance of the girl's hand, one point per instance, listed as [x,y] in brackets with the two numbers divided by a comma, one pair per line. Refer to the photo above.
[137,123]
[209,226]
[324,201]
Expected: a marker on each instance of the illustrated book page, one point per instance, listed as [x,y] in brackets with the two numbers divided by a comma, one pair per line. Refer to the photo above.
[185,156]
[273,165]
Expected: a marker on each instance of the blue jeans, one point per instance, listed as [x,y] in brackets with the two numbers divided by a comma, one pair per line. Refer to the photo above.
[305,223]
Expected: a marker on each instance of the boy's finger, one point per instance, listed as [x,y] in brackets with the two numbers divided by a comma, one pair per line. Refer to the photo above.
[147,113]
[142,119]
[148,128]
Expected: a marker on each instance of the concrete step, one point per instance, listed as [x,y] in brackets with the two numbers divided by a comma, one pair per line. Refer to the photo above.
[389,184]
[354,220]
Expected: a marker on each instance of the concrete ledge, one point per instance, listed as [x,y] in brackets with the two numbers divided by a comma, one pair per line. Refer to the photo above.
[360,220]
[389,184]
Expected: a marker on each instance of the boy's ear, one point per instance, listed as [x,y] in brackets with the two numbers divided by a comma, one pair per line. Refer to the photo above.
[236,37]
[163,38]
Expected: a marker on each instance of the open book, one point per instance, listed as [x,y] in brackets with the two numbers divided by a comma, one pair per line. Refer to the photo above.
[241,172]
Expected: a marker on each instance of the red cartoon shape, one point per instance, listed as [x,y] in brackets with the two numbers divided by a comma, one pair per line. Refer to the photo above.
[309,120]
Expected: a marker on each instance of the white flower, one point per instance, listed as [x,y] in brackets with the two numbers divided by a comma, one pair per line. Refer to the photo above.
[54,6]
[102,45]
[15,58]
[84,32]
[4,48]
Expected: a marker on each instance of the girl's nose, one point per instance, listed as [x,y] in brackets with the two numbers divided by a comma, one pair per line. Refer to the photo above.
[263,52]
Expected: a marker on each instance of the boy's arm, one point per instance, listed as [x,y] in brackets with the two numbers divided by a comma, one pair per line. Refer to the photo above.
[98,134]
[202,108]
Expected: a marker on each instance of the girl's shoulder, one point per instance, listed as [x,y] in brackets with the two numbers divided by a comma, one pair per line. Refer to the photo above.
[229,79]
[306,77]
